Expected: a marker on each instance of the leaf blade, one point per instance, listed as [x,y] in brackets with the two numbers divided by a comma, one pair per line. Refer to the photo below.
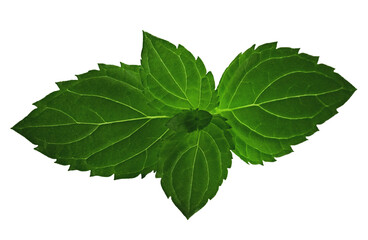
[276,98]
[100,122]
[196,166]
[174,79]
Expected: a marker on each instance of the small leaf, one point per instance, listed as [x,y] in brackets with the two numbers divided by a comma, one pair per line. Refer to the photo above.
[173,79]
[274,98]
[100,122]
[193,166]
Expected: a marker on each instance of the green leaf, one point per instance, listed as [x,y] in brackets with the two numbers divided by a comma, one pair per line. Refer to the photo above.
[100,122]
[193,165]
[274,98]
[173,79]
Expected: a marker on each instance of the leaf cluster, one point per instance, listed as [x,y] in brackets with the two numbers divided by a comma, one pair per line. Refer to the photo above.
[167,116]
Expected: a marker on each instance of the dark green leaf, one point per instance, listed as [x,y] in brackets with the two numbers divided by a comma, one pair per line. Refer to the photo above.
[173,79]
[193,165]
[100,122]
[274,98]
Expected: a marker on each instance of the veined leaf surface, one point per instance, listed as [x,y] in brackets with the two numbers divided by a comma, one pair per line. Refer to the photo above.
[173,79]
[100,122]
[274,98]
[193,165]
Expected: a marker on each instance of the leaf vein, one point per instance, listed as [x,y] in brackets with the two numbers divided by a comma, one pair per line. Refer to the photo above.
[167,69]
[112,144]
[107,98]
[254,67]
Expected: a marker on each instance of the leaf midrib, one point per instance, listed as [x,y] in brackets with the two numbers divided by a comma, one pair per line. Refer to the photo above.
[97,124]
[193,166]
[220,110]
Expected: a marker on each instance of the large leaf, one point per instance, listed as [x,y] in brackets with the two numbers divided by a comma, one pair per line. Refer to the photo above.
[193,165]
[274,98]
[173,79]
[100,122]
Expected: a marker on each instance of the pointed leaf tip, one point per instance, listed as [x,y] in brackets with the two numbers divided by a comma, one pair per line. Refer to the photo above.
[286,91]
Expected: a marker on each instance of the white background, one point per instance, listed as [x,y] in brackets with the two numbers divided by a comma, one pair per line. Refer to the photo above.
[317,192]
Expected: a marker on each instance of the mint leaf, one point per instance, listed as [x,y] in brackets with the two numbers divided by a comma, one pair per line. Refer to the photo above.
[173,79]
[193,166]
[274,98]
[101,122]
[166,116]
